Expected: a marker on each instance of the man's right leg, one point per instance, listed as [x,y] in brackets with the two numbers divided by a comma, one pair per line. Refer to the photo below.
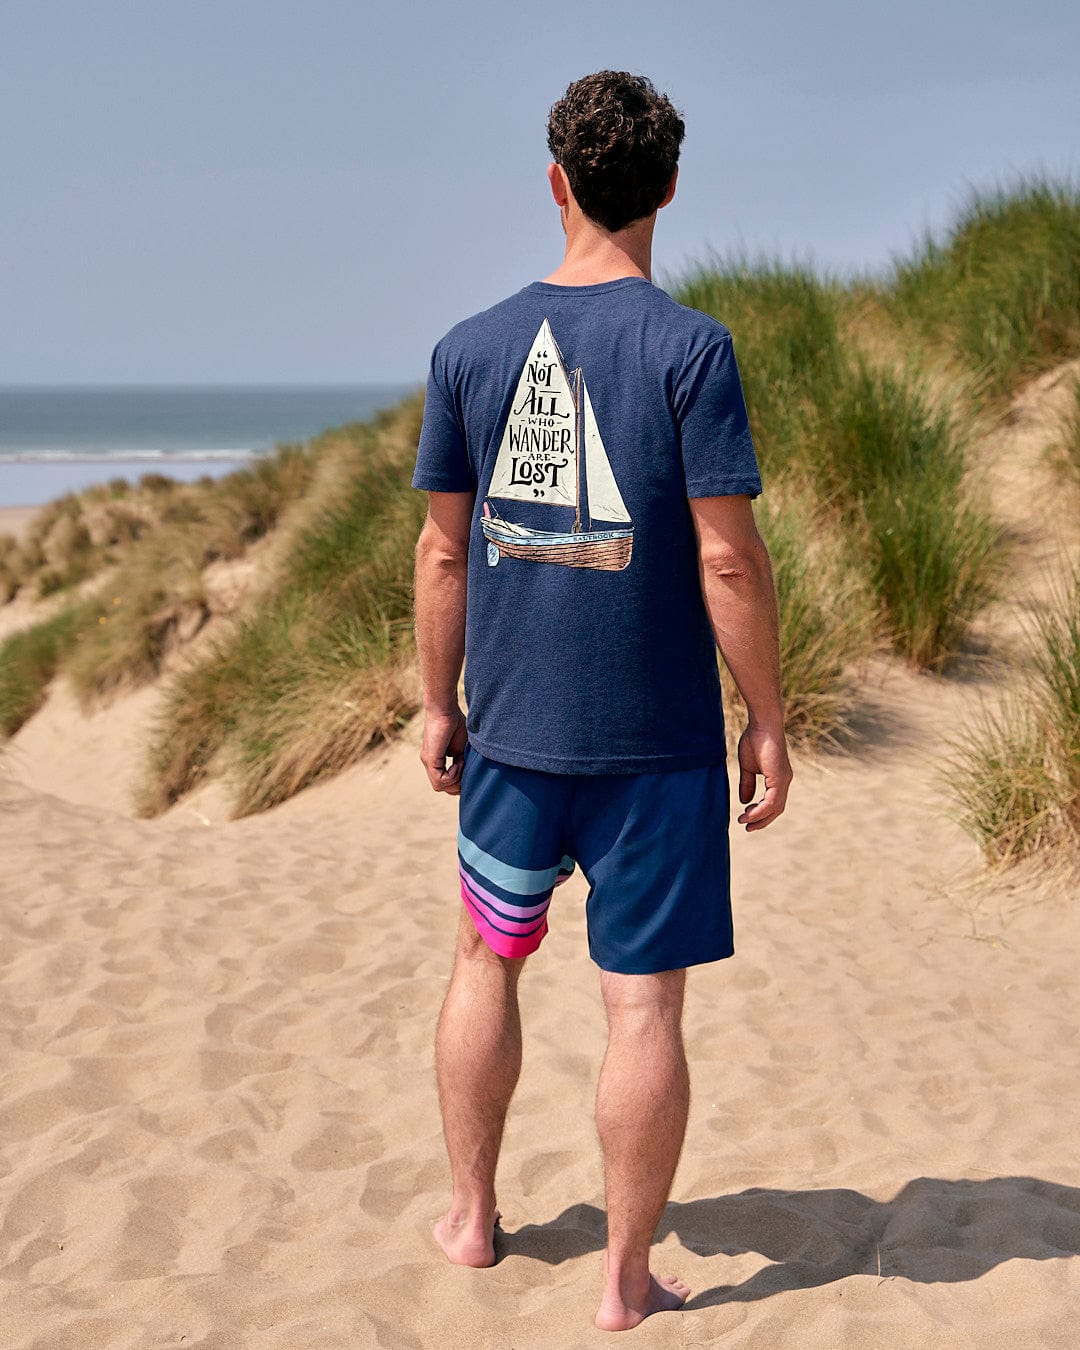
[510,858]
[642,1101]
[477,1063]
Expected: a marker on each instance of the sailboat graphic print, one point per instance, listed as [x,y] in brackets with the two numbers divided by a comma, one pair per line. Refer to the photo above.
[551,453]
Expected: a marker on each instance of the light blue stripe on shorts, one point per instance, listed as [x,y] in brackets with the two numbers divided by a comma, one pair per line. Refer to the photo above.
[520,880]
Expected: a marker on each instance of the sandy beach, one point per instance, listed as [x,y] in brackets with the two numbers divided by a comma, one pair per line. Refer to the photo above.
[219,1124]
[218,1119]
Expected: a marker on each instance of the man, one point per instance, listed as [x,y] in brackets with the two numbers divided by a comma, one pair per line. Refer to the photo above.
[589,542]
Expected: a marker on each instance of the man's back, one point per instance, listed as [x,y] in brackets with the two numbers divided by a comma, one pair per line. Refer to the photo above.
[584,417]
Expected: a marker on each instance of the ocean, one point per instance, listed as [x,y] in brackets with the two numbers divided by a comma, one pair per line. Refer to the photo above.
[62,439]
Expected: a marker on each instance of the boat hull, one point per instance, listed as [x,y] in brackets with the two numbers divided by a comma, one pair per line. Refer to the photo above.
[602,550]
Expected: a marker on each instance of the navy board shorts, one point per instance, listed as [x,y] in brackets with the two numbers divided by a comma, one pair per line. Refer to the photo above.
[652,846]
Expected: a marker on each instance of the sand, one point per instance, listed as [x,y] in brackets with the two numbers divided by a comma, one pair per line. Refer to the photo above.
[218,1122]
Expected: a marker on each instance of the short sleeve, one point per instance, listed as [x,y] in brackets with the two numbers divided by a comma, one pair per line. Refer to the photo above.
[442,459]
[717,447]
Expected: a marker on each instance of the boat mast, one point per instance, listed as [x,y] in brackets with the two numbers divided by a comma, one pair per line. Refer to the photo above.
[579,427]
[579,445]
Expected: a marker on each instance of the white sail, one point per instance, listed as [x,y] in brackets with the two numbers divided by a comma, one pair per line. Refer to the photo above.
[605,499]
[537,458]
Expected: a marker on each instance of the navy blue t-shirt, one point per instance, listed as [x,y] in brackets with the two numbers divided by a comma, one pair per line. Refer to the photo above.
[584,417]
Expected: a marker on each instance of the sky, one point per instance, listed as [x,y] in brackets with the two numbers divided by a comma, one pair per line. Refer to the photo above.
[249,191]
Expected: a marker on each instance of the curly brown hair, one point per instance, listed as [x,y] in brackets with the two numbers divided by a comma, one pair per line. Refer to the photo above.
[618,141]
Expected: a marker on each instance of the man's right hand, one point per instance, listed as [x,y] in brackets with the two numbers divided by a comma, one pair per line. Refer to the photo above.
[445,736]
[763,752]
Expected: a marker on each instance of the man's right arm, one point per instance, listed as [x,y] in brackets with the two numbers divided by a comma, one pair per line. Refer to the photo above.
[740,597]
[442,572]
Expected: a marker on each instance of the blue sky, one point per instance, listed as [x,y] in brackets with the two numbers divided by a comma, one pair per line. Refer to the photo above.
[315,191]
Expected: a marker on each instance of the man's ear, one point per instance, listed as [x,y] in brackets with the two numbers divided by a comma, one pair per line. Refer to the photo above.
[560,187]
[671,188]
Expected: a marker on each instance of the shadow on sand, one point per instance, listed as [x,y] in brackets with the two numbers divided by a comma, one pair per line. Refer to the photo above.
[932,1231]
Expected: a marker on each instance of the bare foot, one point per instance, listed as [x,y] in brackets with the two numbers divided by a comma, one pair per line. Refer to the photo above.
[466,1243]
[665,1293]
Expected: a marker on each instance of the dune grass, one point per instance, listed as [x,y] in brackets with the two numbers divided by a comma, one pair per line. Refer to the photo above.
[1002,780]
[1066,453]
[29,660]
[157,590]
[827,619]
[895,468]
[785,320]
[1002,287]
[1057,661]
[867,442]
[156,538]
[77,535]
[1015,771]
[56,550]
[11,566]
[935,561]
[323,668]
[875,428]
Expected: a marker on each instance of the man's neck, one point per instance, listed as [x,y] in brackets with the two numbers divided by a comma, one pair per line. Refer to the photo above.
[594,255]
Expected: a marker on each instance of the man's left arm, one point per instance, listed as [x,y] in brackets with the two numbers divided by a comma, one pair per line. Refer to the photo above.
[442,563]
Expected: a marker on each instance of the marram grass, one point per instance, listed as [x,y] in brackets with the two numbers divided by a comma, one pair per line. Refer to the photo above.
[785,322]
[28,661]
[1014,773]
[1001,289]
[1066,453]
[1057,663]
[323,668]
[934,560]
[153,544]
[826,618]
[1002,782]
[159,586]
[867,443]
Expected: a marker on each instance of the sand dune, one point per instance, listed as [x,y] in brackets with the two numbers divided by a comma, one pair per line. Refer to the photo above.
[218,1124]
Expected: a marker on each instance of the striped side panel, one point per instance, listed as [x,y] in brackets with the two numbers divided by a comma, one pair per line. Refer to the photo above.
[508,904]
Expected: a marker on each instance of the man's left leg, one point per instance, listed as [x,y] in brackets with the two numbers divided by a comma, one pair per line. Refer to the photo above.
[642,1100]
[477,1063]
